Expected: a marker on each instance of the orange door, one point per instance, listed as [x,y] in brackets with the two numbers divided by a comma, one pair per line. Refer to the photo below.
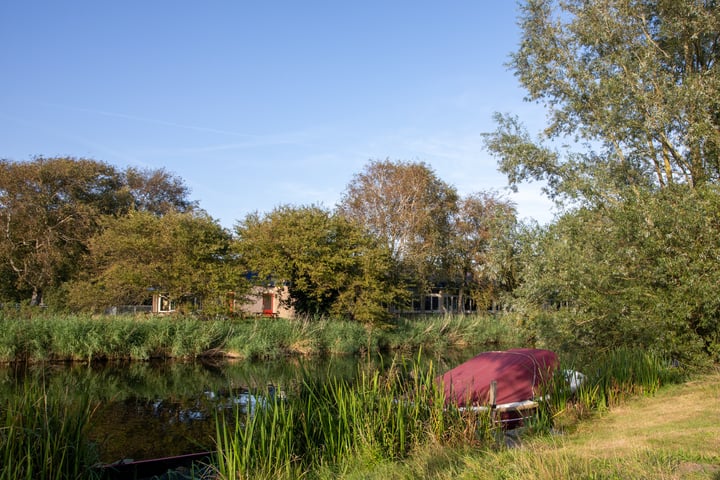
[268,304]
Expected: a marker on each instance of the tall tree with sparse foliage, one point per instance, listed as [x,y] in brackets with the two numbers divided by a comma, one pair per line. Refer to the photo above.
[483,248]
[157,191]
[634,84]
[410,209]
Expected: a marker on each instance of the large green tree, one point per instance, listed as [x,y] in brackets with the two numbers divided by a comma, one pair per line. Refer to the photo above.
[642,273]
[181,255]
[330,264]
[634,83]
[51,207]
[407,206]
[48,210]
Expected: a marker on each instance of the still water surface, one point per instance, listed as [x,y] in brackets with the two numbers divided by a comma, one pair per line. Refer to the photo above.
[155,409]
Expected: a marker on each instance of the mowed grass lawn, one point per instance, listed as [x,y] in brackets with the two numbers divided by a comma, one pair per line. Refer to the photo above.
[672,435]
[675,434]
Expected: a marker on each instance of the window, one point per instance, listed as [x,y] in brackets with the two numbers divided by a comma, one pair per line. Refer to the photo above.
[166,305]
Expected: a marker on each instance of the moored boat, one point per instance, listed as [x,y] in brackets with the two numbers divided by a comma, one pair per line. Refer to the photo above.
[509,382]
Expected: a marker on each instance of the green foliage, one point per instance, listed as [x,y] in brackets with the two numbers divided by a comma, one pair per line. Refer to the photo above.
[335,428]
[409,208]
[347,338]
[43,435]
[157,191]
[332,266]
[51,207]
[642,273]
[440,334]
[83,338]
[609,379]
[482,249]
[178,254]
[259,444]
[637,81]
[272,338]
[434,236]
[327,423]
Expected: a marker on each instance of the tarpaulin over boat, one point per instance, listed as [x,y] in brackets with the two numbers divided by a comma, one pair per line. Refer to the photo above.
[519,374]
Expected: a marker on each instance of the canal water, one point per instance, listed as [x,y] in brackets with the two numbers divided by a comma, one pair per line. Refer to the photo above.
[155,409]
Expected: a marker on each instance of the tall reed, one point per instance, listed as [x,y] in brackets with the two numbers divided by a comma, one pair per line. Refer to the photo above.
[258,443]
[609,379]
[59,337]
[43,436]
[326,424]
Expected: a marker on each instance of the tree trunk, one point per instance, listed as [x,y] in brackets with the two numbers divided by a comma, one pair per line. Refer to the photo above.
[36,299]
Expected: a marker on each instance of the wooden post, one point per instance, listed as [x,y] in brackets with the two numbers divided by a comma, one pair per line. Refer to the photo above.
[493,396]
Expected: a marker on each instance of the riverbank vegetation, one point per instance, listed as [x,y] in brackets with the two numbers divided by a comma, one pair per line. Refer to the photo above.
[84,338]
[629,264]
[630,155]
[344,429]
[673,435]
[43,435]
[388,421]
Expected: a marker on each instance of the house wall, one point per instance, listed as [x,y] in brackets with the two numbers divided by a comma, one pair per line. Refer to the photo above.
[267,301]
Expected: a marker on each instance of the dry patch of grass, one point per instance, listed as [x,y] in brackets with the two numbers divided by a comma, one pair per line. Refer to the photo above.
[684,418]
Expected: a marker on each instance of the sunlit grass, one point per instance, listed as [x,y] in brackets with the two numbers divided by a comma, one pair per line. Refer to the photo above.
[328,424]
[47,337]
[673,435]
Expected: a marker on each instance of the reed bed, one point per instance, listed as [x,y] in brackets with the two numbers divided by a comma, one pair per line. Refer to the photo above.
[438,333]
[329,427]
[609,379]
[325,425]
[86,338]
[48,337]
[43,436]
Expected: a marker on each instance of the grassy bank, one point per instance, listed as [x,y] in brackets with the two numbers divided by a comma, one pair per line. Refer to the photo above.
[674,434]
[395,426]
[392,425]
[86,338]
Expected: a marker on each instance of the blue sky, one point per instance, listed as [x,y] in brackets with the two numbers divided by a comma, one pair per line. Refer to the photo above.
[256,104]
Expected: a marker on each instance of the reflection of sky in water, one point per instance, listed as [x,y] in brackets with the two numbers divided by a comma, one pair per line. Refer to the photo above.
[154,409]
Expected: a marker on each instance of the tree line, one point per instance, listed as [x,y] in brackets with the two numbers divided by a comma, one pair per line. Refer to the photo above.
[630,153]
[82,235]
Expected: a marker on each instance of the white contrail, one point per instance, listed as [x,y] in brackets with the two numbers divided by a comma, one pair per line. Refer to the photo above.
[150,120]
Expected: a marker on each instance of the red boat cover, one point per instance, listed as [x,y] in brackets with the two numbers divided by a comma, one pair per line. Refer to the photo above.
[518,372]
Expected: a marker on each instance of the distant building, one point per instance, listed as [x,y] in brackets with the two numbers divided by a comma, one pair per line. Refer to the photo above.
[266,301]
